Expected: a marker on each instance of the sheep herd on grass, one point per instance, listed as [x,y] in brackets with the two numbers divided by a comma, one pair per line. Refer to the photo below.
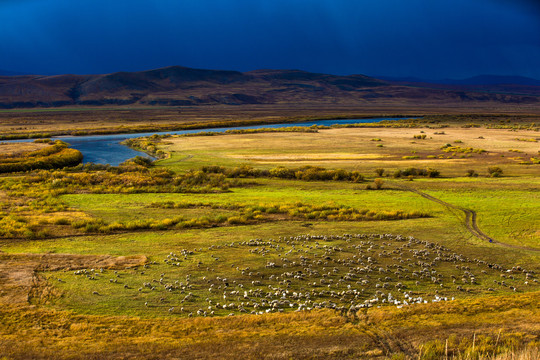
[345,273]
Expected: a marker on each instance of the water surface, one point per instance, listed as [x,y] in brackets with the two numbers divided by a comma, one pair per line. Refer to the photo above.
[106,149]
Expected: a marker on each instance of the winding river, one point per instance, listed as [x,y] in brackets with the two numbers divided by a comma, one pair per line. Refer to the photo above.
[106,149]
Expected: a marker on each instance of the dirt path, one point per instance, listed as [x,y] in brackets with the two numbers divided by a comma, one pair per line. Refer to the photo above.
[470,219]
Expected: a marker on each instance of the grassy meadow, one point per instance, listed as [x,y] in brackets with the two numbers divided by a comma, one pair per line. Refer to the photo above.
[277,245]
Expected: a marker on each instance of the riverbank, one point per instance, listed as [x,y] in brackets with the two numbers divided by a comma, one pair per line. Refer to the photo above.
[177,126]
[108,149]
[27,123]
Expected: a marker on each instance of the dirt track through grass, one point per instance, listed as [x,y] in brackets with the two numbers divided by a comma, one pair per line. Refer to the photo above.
[470,220]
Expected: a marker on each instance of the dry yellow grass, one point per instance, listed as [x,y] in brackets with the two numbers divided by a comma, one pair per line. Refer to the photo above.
[12,149]
[352,148]
[526,354]
[358,139]
[27,332]
[310,157]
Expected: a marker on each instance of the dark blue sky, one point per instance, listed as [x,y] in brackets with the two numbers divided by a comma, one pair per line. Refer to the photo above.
[423,38]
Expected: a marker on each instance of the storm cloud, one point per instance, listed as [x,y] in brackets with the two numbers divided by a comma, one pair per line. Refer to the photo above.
[422,38]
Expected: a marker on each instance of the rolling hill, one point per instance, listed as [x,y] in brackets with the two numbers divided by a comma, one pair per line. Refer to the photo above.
[181,86]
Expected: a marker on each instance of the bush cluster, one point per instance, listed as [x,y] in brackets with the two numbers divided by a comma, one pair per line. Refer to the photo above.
[495,171]
[14,226]
[55,156]
[306,129]
[25,136]
[472,173]
[300,210]
[458,149]
[432,173]
[410,157]
[148,145]
[132,178]
[306,173]
[247,214]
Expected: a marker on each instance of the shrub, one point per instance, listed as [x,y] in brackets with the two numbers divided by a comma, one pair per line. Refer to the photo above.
[457,149]
[56,156]
[138,160]
[495,171]
[432,173]
[62,221]
[282,173]
[306,173]
[378,183]
[236,220]
[43,141]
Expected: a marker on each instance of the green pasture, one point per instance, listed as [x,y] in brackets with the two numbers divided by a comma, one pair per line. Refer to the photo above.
[219,268]
[264,191]
[507,209]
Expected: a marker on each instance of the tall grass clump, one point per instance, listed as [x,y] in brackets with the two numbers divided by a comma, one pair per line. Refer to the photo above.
[56,156]
[305,173]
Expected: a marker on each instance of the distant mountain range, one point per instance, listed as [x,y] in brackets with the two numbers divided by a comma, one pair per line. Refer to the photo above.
[181,86]
[475,80]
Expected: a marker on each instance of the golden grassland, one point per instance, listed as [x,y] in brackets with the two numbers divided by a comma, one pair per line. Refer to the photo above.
[55,155]
[186,259]
[352,149]
[13,149]
[472,328]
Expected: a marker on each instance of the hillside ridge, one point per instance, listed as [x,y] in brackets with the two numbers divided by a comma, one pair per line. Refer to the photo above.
[183,86]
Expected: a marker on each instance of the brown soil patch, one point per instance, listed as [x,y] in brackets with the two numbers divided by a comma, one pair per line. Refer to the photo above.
[19,278]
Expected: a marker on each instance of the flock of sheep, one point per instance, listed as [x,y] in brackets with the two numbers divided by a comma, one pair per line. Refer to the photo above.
[346,273]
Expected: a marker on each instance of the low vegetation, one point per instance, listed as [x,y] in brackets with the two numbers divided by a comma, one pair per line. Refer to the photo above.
[55,156]
[130,178]
[458,149]
[306,173]
[431,173]
[309,243]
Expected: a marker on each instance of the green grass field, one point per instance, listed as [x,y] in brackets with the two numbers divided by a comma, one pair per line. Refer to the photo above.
[259,257]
